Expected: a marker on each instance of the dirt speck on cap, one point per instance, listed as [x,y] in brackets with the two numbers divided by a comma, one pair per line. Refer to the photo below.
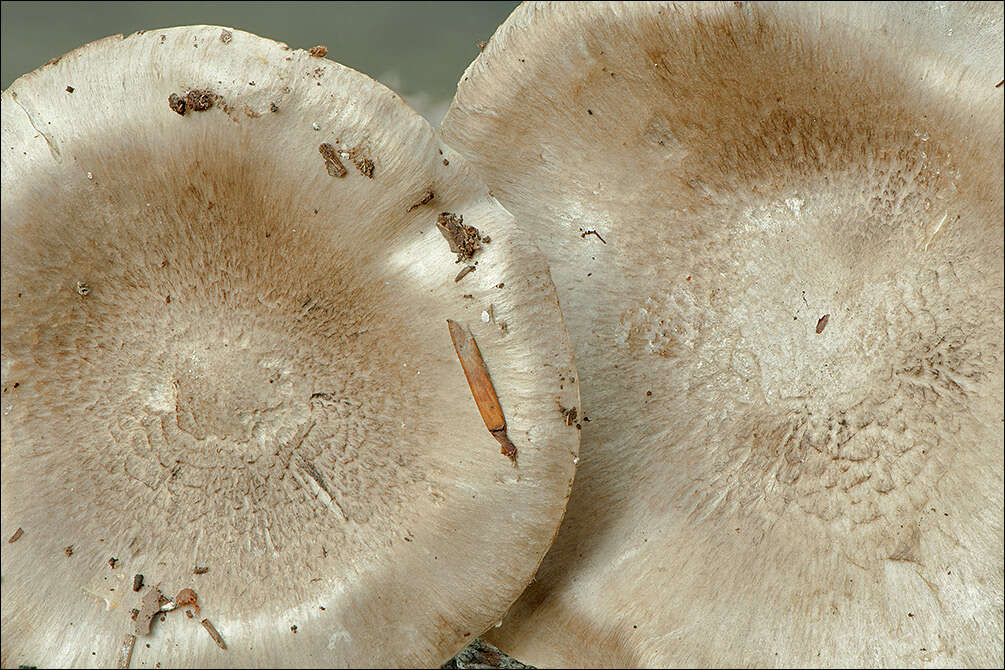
[570,415]
[200,570]
[427,196]
[199,100]
[137,582]
[362,161]
[16,536]
[822,323]
[69,89]
[177,103]
[195,100]
[226,36]
[332,162]
[68,550]
[465,241]
[319,51]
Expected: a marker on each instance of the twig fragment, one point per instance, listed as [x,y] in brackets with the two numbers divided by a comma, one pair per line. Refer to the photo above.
[126,651]
[481,386]
[214,634]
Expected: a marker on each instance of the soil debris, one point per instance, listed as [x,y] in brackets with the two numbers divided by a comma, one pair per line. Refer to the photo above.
[362,161]
[214,634]
[481,654]
[273,107]
[83,288]
[137,582]
[427,196]
[319,51]
[332,163]
[481,387]
[465,271]
[226,36]
[465,241]
[198,570]
[822,323]
[187,597]
[16,536]
[195,100]
[570,415]
[68,550]
[69,89]
[112,562]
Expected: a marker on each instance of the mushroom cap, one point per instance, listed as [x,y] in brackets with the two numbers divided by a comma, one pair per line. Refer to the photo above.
[216,354]
[788,325]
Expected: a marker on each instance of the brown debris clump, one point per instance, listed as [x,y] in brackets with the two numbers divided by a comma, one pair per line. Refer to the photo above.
[332,163]
[465,241]
[426,197]
[362,162]
[16,536]
[226,36]
[196,100]
[319,51]
[187,597]
[822,323]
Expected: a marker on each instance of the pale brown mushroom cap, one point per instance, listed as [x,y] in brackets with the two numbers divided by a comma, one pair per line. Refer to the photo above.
[753,491]
[216,354]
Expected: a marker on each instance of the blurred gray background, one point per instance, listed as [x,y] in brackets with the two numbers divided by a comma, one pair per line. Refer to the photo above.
[419,49]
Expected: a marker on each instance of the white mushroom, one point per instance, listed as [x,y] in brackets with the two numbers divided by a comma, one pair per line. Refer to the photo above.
[227,367]
[776,233]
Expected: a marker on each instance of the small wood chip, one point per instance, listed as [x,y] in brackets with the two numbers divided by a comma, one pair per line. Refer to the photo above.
[822,323]
[465,271]
[1000,84]
[319,51]
[481,386]
[332,162]
[426,197]
[16,536]
[150,606]
[214,634]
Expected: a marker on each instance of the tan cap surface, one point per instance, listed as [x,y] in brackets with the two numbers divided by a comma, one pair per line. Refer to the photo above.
[776,233]
[217,353]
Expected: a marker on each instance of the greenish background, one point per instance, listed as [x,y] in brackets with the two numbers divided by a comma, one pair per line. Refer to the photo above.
[419,49]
